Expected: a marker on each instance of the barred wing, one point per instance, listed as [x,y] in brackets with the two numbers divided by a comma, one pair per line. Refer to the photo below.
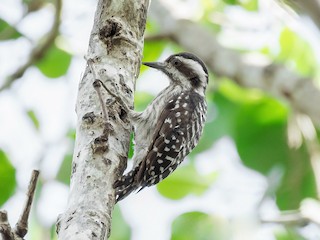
[178,131]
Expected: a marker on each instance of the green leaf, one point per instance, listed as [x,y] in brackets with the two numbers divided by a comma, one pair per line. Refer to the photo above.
[120,230]
[7,31]
[184,181]
[31,114]
[7,178]
[237,94]
[260,134]
[55,63]
[198,225]
[65,169]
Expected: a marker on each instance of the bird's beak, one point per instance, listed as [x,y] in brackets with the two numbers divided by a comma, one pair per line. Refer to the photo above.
[156,65]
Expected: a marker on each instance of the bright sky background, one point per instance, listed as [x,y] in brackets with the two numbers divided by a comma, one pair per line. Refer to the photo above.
[237,191]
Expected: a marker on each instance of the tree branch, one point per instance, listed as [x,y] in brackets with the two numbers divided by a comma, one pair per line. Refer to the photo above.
[5,228]
[276,79]
[102,140]
[21,228]
[22,225]
[310,8]
[288,218]
[158,37]
[307,213]
[39,50]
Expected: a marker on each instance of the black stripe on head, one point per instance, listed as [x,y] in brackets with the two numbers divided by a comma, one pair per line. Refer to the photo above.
[185,70]
[193,57]
[195,82]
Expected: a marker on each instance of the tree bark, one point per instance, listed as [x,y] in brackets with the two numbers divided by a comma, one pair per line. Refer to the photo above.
[102,142]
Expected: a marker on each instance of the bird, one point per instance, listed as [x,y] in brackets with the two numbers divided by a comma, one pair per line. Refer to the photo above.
[170,126]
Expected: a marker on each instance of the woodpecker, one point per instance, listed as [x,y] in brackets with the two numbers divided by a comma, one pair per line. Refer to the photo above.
[171,125]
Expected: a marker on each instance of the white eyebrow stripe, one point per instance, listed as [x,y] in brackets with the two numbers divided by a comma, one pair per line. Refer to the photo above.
[195,66]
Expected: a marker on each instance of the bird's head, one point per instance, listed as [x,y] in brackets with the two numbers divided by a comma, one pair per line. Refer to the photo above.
[184,69]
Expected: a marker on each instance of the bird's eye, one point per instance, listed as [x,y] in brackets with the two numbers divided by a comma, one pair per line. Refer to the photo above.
[176,62]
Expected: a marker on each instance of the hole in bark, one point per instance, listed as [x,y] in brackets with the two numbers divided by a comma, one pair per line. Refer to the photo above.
[100,140]
[123,114]
[96,84]
[89,117]
[110,30]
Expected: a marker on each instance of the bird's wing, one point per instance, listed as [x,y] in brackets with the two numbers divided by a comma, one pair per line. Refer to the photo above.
[177,132]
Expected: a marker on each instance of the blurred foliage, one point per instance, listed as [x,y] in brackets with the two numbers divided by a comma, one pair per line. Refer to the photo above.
[288,234]
[65,169]
[198,225]
[250,5]
[8,31]
[34,5]
[120,230]
[295,52]
[71,134]
[141,100]
[258,125]
[151,51]
[36,230]
[302,59]
[184,181]
[260,134]
[55,63]
[32,116]
[256,122]
[7,178]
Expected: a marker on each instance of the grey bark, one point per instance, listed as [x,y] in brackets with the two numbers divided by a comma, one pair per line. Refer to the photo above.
[276,79]
[101,147]
[309,8]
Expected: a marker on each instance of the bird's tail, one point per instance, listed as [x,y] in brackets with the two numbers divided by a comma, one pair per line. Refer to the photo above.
[125,185]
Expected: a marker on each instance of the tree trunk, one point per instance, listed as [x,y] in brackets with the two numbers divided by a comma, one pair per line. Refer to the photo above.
[102,142]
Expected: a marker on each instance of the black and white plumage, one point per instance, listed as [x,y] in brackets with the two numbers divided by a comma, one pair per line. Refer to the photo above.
[170,127]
